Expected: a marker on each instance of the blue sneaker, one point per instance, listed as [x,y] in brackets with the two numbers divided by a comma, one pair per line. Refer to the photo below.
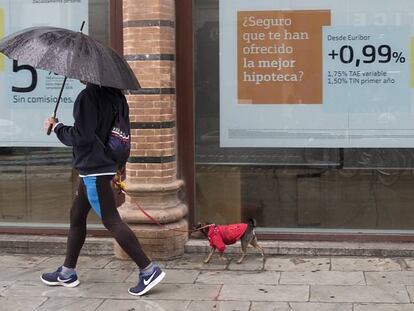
[54,279]
[147,281]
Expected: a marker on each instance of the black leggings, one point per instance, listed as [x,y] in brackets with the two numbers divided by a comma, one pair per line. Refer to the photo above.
[96,192]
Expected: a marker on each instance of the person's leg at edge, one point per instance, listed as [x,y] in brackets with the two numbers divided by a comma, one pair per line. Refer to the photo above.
[104,204]
[77,230]
[66,274]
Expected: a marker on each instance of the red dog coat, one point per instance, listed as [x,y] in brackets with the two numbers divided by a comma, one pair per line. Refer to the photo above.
[220,236]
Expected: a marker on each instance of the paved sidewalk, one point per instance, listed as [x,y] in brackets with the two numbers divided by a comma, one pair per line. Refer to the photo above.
[277,284]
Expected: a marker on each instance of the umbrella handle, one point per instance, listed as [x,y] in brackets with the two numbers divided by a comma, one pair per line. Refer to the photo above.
[49,130]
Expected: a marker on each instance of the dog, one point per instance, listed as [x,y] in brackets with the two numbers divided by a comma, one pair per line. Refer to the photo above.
[221,235]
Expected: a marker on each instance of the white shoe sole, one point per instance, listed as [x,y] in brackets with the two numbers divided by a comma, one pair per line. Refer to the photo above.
[149,287]
[73,284]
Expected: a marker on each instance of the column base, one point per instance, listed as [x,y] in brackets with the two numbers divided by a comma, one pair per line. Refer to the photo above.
[159,243]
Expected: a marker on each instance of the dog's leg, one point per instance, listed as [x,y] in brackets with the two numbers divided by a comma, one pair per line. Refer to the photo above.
[207,260]
[241,258]
[222,257]
[256,245]
[244,251]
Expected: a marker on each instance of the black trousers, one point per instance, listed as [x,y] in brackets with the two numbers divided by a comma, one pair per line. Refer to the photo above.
[96,192]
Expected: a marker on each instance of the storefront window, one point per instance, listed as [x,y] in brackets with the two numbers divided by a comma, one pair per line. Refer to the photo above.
[37,182]
[294,135]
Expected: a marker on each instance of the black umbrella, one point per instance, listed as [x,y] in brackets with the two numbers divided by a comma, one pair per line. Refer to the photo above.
[71,54]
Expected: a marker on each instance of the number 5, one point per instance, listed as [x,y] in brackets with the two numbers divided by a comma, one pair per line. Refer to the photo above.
[17,68]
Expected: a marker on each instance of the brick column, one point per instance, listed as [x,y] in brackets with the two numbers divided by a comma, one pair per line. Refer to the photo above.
[149,47]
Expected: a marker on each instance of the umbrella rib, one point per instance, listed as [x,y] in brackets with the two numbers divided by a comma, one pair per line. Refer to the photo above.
[100,63]
[77,42]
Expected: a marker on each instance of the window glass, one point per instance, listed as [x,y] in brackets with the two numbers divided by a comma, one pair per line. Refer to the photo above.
[37,182]
[358,184]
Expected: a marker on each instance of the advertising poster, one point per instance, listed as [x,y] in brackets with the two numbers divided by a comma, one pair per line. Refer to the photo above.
[27,95]
[321,73]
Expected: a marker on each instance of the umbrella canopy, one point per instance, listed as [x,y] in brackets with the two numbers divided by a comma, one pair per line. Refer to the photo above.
[71,54]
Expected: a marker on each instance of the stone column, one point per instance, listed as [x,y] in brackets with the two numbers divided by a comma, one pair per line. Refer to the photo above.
[149,47]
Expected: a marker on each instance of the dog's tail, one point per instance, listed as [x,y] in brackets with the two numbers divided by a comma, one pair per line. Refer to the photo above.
[251,222]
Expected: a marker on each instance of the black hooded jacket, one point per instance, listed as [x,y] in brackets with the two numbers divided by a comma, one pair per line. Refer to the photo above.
[94,114]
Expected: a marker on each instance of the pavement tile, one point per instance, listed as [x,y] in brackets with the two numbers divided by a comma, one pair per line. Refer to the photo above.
[70,304]
[378,294]
[121,264]
[129,264]
[298,264]
[184,292]
[323,278]
[142,305]
[4,285]
[171,276]
[250,263]
[20,261]
[302,306]
[84,262]
[410,290]
[265,293]
[237,277]
[37,288]
[20,274]
[270,306]
[104,290]
[103,275]
[365,264]
[195,261]
[19,304]
[219,306]
[397,277]
[383,307]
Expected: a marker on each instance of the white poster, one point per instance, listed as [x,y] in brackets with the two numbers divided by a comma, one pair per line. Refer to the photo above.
[27,95]
[320,73]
